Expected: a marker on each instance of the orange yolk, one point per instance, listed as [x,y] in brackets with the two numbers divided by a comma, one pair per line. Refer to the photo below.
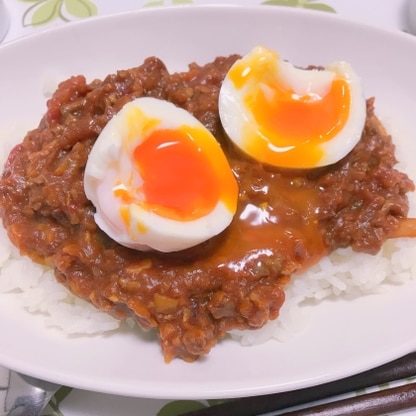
[181,176]
[289,128]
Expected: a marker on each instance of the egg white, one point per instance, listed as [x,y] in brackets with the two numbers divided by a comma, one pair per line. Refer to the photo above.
[110,164]
[237,118]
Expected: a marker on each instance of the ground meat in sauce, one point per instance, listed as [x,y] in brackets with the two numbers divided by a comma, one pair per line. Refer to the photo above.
[286,220]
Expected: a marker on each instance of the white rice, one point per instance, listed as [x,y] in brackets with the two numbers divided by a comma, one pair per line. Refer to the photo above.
[36,289]
[343,274]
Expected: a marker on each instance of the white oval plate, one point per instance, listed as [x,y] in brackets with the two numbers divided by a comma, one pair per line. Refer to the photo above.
[344,337]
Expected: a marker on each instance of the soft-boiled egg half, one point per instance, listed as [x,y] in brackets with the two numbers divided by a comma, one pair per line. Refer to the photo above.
[158,178]
[290,117]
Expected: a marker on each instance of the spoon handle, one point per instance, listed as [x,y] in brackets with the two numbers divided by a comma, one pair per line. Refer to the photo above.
[22,395]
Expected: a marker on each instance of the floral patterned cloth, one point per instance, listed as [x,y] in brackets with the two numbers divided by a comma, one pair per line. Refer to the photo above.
[29,16]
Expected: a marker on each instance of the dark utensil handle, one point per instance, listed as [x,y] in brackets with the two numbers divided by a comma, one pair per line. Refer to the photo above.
[401,368]
[378,403]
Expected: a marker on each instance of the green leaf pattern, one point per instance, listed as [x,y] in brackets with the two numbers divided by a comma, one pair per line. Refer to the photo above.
[80,8]
[53,406]
[306,4]
[179,407]
[42,12]
[153,3]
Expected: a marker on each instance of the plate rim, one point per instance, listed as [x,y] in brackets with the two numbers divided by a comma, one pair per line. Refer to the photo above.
[180,9]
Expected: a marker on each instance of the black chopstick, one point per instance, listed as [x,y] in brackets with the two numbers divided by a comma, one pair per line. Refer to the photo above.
[401,368]
[378,403]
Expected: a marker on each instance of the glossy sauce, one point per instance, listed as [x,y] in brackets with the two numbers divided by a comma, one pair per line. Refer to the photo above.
[280,218]
[285,221]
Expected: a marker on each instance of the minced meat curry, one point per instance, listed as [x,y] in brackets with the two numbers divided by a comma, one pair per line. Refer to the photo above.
[286,220]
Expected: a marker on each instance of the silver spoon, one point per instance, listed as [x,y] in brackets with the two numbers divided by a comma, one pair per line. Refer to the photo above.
[22,395]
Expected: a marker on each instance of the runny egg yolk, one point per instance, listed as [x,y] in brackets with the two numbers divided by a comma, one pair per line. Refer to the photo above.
[298,123]
[285,116]
[179,180]
[159,179]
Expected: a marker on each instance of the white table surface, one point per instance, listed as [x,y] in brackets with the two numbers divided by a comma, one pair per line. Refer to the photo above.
[22,21]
